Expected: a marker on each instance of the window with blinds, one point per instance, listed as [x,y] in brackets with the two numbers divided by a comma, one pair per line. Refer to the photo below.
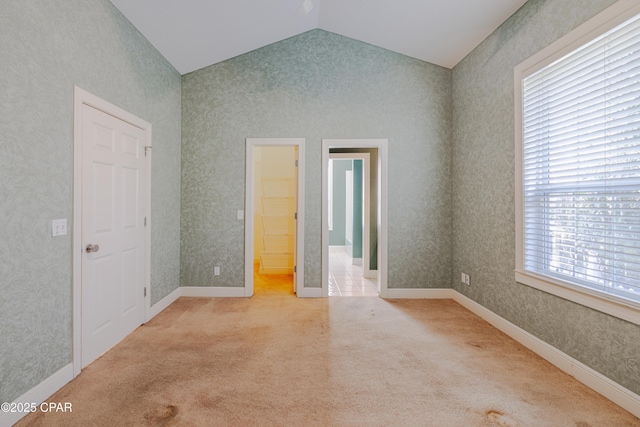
[581,166]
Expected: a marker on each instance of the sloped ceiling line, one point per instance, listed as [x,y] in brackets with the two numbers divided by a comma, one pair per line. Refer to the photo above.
[197,33]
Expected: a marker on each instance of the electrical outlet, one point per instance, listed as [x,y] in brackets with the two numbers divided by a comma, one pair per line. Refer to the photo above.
[216,271]
[58,227]
[464,278]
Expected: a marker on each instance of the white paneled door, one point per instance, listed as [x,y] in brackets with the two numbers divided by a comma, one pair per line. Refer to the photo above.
[113,235]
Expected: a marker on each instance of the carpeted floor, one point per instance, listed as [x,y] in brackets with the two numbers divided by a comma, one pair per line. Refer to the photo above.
[276,360]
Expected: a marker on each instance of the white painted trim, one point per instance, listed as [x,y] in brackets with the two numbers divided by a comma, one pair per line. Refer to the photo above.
[148,215]
[584,296]
[589,377]
[212,292]
[606,20]
[310,292]
[383,264]
[39,394]
[164,303]
[611,17]
[80,98]
[250,210]
[420,293]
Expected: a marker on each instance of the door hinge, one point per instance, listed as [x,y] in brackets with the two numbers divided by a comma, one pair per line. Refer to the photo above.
[146,149]
[296,163]
[295,215]
[145,221]
[145,291]
[295,268]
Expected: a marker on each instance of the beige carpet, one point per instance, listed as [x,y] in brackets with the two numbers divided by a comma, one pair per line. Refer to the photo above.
[275,360]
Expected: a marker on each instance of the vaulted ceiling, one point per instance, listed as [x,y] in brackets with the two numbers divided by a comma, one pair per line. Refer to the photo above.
[192,34]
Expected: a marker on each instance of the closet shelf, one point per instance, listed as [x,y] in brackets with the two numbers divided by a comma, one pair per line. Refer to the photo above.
[277,215]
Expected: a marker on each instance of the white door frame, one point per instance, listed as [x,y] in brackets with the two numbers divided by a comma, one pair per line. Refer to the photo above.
[301,291]
[382,146]
[80,98]
[366,231]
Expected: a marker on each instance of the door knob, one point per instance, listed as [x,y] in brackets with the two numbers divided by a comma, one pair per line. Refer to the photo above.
[92,248]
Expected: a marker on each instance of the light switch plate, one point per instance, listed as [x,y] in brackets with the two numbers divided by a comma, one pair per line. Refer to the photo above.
[240,214]
[58,227]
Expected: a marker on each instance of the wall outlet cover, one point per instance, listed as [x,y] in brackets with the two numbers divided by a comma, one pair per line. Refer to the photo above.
[58,227]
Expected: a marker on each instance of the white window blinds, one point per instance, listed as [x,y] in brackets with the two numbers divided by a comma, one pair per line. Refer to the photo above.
[581,166]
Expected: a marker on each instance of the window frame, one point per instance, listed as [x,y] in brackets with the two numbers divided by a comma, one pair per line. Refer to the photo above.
[611,17]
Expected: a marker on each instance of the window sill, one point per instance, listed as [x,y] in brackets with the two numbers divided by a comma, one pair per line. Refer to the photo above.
[624,310]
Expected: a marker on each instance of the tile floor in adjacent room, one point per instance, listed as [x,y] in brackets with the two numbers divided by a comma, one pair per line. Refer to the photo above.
[345,279]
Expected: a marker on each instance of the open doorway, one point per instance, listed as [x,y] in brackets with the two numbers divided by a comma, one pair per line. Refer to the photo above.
[354,237]
[352,270]
[273,247]
[274,218]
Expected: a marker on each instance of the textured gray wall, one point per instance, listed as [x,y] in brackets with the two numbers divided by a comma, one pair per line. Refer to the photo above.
[484,196]
[317,85]
[47,47]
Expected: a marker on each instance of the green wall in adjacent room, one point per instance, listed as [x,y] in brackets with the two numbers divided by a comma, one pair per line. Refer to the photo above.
[358,207]
[337,234]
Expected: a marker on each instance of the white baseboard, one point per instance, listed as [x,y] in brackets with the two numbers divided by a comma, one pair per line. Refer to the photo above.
[55,382]
[591,378]
[370,274]
[215,292]
[164,303]
[212,291]
[38,394]
[420,293]
[305,292]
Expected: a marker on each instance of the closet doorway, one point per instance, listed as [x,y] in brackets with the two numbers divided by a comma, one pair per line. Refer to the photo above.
[273,216]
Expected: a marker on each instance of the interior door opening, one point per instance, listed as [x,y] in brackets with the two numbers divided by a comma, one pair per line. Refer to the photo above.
[274,217]
[354,254]
[352,272]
